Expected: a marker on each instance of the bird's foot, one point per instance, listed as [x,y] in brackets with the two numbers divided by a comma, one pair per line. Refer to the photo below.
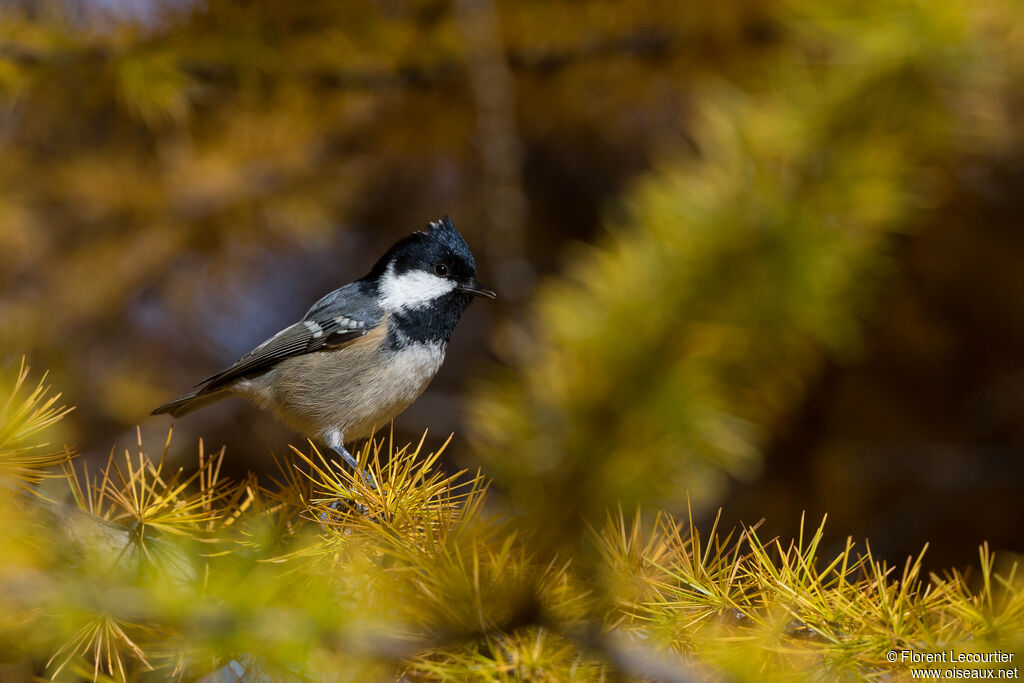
[342,505]
[336,512]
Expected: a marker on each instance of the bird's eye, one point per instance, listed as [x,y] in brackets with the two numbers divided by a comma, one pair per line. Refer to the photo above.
[441,269]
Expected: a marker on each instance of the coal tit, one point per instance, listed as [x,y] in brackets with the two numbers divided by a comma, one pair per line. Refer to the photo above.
[364,352]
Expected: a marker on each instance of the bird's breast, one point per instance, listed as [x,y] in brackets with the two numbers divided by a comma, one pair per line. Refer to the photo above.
[397,381]
[408,371]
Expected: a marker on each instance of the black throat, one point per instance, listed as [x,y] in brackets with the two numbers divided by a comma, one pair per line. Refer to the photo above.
[430,324]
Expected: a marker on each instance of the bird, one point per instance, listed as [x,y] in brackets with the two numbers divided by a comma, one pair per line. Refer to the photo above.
[364,352]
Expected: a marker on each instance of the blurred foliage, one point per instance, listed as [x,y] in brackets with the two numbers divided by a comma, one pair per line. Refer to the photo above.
[23,419]
[660,362]
[316,576]
[156,169]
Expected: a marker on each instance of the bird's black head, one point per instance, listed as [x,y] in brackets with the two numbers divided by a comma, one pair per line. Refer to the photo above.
[426,281]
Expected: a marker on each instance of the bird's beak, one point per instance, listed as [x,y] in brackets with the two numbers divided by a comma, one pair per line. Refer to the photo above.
[476,290]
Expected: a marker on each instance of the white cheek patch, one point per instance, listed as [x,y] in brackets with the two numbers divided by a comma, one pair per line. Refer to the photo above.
[412,289]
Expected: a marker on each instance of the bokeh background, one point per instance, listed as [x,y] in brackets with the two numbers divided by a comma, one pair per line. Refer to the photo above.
[763,256]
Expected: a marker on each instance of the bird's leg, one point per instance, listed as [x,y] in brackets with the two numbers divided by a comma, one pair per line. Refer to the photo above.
[347,457]
[354,464]
[334,439]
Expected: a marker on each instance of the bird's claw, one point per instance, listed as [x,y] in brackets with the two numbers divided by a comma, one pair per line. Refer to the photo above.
[340,507]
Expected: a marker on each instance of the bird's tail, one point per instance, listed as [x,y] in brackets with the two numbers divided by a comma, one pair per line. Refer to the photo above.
[183,405]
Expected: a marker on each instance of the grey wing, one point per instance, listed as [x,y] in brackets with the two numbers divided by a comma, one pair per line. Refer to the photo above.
[337,319]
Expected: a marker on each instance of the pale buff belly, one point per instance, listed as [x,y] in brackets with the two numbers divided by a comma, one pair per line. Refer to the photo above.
[355,390]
